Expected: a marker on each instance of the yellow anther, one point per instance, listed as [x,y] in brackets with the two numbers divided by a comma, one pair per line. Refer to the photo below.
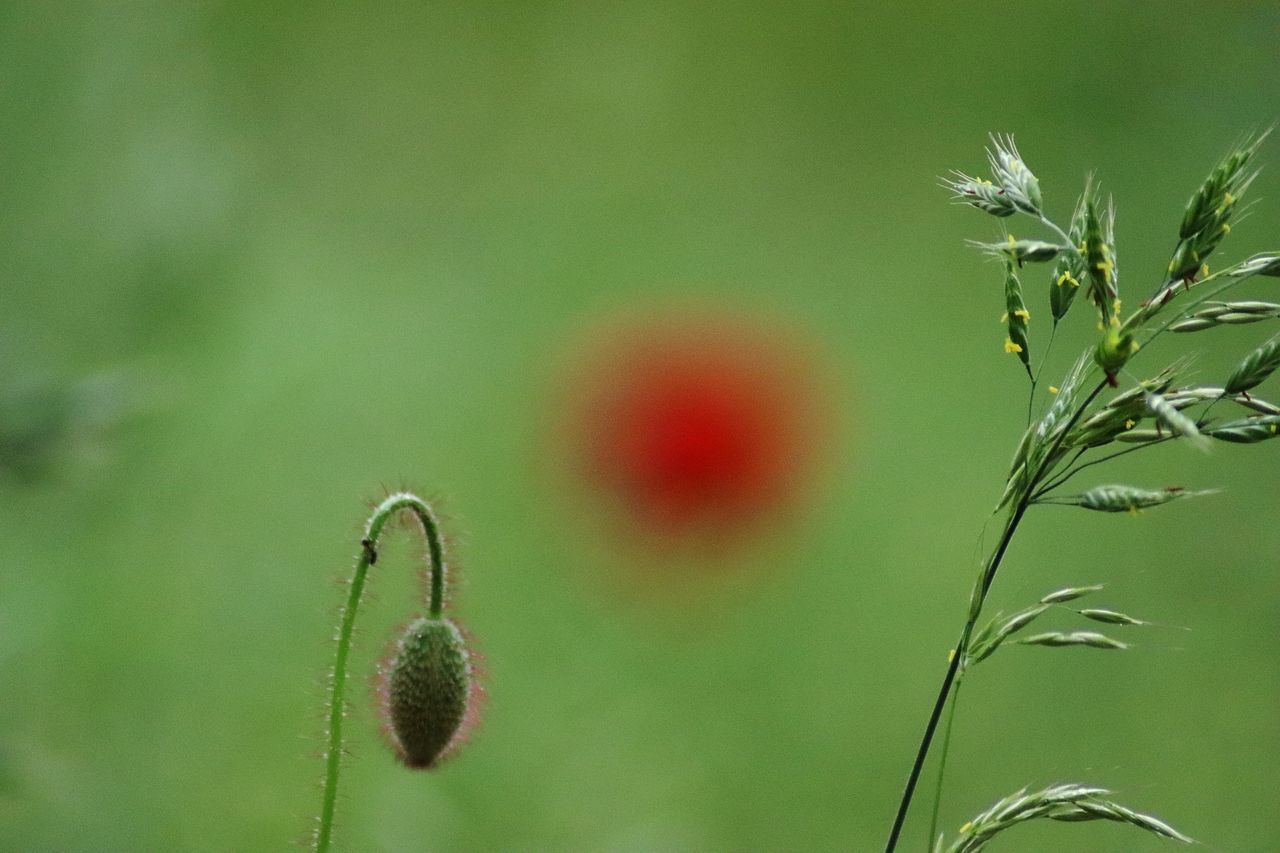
[1129,424]
[1067,278]
[1227,198]
[1226,228]
[968,824]
[951,655]
[1010,346]
[1204,270]
[1053,389]
[1023,313]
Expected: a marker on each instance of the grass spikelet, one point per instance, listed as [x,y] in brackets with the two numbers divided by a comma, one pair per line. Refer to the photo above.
[1168,414]
[1099,255]
[1110,617]
[1070,593]
[1207,217]
[1056,802]
[1217,314]
[1256,404]
[1069,272]
[1267,263]
[1058,639]
[1120,498]
[1020,251]
[980,193]
[1248,431]
[1016,318]
[1011,173]
[998,630]
[1256,367]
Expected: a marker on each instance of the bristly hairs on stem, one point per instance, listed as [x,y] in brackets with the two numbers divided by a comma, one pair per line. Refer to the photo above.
[431,685]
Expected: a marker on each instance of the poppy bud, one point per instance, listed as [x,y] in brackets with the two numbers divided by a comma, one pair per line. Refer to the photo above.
[427,691]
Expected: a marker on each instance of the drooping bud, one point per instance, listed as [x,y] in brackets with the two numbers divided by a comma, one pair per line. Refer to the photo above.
[428,690]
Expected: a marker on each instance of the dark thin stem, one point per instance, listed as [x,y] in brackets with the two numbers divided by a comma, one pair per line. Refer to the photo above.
[367,557]
[1067,475]
[1035,380]
[942,761]
[975,610]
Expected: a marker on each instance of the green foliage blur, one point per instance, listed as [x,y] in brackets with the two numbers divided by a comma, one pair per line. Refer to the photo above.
[321,252]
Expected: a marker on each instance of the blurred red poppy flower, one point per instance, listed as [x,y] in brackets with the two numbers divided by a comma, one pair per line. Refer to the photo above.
[696,429]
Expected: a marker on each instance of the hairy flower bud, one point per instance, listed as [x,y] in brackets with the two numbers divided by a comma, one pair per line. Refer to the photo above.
[427,692]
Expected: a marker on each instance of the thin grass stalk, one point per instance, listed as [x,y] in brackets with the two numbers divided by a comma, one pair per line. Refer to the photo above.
[988,576]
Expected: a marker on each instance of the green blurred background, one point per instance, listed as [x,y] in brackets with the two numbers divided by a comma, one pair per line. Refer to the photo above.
[303,253]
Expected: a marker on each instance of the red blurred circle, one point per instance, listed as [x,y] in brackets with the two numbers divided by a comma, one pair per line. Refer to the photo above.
[696,428]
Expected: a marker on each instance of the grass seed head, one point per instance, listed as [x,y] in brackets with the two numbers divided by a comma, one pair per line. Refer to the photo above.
[1256,367]
[1248,430]
[1267,263]
[1069,272]
[980,193]
[1016,317]
[1099,256]
[1011,173]
[1071,593]
[1056,802]
[1207,217]
[1119,498]
[1058,639]
[1168,413]
[1109,617]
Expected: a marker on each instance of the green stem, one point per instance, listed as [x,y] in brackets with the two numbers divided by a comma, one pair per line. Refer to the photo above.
[367,557]
[942,759]
[1062,235]
[975,610]
[1035,380]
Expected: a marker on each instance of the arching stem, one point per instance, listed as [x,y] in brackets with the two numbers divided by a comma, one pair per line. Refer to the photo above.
[337,701]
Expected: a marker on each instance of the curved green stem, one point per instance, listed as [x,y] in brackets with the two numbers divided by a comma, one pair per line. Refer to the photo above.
[942,760]
[367,557]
